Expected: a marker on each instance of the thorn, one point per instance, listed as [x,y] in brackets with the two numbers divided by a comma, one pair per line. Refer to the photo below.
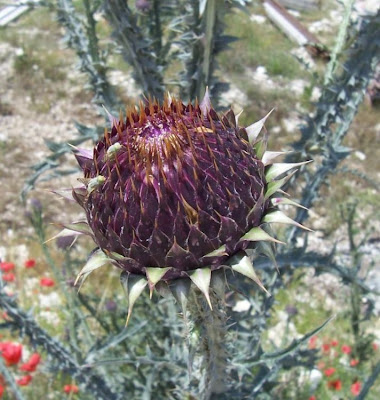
[96,260]
[257,234]
[281,218]
[112,119]
[201,277]
[237,117]
[278,169]
[133,286]
[205,105]
[154,275]
[269,156]
[274,186]
[254,130]
[282,200]
[245,267]
[221,251]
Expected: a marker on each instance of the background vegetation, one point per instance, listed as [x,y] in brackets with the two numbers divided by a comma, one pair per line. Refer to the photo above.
[317,336]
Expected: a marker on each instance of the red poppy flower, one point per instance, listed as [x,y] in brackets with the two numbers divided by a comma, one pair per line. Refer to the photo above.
[355,388]
[330,371]
[11,352]
[334,343]
[48,282]
[32,364]
[354,362]
[1,390]
[24,381]
[325,347]
[30,263]
[346,349]
[313,342]
[71,389]
[312,398]
[375,346]
[9,277]
[7,266]
[335,385]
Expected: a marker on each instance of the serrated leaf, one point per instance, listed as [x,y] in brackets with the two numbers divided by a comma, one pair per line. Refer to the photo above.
[278,355]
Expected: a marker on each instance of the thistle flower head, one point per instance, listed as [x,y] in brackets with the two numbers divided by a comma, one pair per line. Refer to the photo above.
[175,191]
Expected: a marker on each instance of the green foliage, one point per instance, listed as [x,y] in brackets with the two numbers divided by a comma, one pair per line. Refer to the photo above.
[136,49]
[323,134]
[148,46]
[81,36]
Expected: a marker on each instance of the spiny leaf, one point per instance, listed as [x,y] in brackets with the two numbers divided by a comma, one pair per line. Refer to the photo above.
[96,260]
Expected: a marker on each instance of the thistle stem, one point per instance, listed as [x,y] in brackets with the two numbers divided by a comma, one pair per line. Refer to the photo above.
[10,380]
[212,327]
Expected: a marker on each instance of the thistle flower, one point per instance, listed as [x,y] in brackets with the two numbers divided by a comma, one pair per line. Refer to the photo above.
[177,191]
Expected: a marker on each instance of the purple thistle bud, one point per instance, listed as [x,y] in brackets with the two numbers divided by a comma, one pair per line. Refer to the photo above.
[183,183]
[177,191]
[35,204]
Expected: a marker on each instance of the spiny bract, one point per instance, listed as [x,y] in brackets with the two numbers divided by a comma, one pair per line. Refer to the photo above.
[177,191]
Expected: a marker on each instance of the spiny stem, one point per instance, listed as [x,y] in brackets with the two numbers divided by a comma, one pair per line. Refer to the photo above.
[10,380]
[213,330]
[91,382]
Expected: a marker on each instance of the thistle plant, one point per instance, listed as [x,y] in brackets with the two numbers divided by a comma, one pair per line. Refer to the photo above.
[174,195]
[181,200]
[175,191]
